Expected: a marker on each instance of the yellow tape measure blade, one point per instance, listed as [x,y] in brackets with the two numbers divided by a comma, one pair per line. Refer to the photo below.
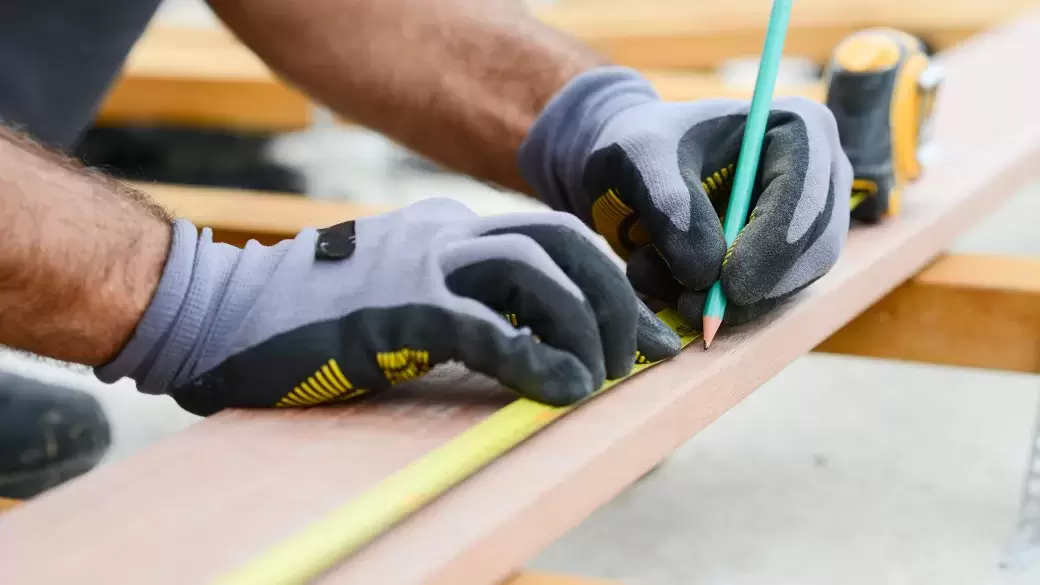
[328,541]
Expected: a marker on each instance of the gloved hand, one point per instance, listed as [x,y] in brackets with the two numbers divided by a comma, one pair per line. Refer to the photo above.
[653,178]
[365,304]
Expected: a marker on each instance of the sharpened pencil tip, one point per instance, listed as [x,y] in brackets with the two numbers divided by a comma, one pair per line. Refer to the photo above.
[711,327]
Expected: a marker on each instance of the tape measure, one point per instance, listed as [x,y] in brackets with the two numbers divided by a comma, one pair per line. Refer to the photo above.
[881,87]
[328,541]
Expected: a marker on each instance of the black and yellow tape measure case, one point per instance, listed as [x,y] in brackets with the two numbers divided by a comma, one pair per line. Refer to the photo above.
[881,88]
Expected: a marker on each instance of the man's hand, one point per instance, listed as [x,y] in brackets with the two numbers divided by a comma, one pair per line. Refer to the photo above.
[653,178]
[534,300]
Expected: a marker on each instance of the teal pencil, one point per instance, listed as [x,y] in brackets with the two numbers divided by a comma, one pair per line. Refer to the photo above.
[750,149]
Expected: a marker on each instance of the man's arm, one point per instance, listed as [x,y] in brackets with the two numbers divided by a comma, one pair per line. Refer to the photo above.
[460,81]
[81,256]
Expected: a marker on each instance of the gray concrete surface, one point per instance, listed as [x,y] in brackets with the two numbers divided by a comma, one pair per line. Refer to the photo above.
[839,470]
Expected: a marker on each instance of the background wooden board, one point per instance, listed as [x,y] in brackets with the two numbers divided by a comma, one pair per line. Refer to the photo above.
[237,215]
[201,77]
[206,77]
[978,311]
[701,34]
[219,492]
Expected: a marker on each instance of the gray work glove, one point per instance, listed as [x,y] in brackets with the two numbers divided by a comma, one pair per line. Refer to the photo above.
[534,300]
[653,177]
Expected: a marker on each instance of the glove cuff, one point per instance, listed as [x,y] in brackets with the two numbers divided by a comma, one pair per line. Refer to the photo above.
[552,156]
[195,273]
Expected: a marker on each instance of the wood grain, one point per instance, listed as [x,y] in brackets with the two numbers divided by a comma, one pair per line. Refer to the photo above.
[979,311]
[215,495]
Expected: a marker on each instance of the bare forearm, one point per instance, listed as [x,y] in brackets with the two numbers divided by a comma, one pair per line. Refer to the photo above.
[80,255]
[460,81]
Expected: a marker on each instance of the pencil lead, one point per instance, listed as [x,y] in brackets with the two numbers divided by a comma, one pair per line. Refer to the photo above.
[711,327]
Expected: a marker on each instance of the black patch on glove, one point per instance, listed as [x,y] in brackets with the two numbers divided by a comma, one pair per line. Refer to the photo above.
[336,242]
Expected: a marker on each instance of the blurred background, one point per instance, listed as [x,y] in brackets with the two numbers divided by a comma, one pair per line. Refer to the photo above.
[839,470]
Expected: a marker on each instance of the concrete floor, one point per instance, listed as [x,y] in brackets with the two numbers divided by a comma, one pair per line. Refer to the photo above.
[839,470]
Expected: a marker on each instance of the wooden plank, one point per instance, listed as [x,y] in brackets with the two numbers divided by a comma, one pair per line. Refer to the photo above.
[242,480]
[205,77]
[259,105]
[236,216]
[974,310]
[201,77]
[701,35]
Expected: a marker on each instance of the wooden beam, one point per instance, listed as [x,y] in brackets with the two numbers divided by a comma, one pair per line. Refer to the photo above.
[236,216]
[201,77]
[979,311]
[240,481]
[673,34]
[252,106]
[205,77]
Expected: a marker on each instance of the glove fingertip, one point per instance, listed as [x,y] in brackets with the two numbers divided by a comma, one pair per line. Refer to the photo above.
[657,341]
[620,368]
[566,386]
[619,347]
[691,308]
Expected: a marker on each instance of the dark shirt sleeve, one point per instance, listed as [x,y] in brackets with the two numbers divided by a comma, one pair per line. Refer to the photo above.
[58,59]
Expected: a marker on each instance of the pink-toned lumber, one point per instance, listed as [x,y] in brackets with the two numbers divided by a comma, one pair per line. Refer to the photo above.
[218,493]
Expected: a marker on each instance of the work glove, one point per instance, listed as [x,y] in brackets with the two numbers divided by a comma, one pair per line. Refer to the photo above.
[533,299]
[653,177]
